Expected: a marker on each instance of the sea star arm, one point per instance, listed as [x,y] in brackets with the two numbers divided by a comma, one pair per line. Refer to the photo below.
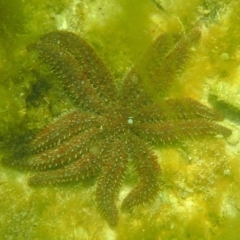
[177,109]
[133,95]
[85,167]
[110,181]
[63,128]
[59,155]
[160,64]
[73,76]
[89,61]
[173,131]
[148,171]
[188,108]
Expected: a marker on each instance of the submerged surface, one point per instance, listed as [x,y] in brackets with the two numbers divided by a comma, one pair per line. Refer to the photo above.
[199,196]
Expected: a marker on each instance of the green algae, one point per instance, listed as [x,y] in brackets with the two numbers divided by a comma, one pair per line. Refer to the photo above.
[191,184]
[12,17]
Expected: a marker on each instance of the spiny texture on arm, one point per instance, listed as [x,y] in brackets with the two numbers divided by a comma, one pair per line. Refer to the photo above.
[110,181]
[78,67]
[112,124]
[148,171]
[165,59]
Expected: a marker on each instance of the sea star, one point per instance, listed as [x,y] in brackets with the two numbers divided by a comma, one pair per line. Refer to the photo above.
[112,125]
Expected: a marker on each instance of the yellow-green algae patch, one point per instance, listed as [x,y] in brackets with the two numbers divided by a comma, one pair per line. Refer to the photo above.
[196,199]
[11,17]
[200,195]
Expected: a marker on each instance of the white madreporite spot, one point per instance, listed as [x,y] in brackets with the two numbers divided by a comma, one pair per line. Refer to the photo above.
[130,120]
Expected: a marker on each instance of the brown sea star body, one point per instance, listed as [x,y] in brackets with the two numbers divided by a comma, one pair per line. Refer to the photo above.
[114,125]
